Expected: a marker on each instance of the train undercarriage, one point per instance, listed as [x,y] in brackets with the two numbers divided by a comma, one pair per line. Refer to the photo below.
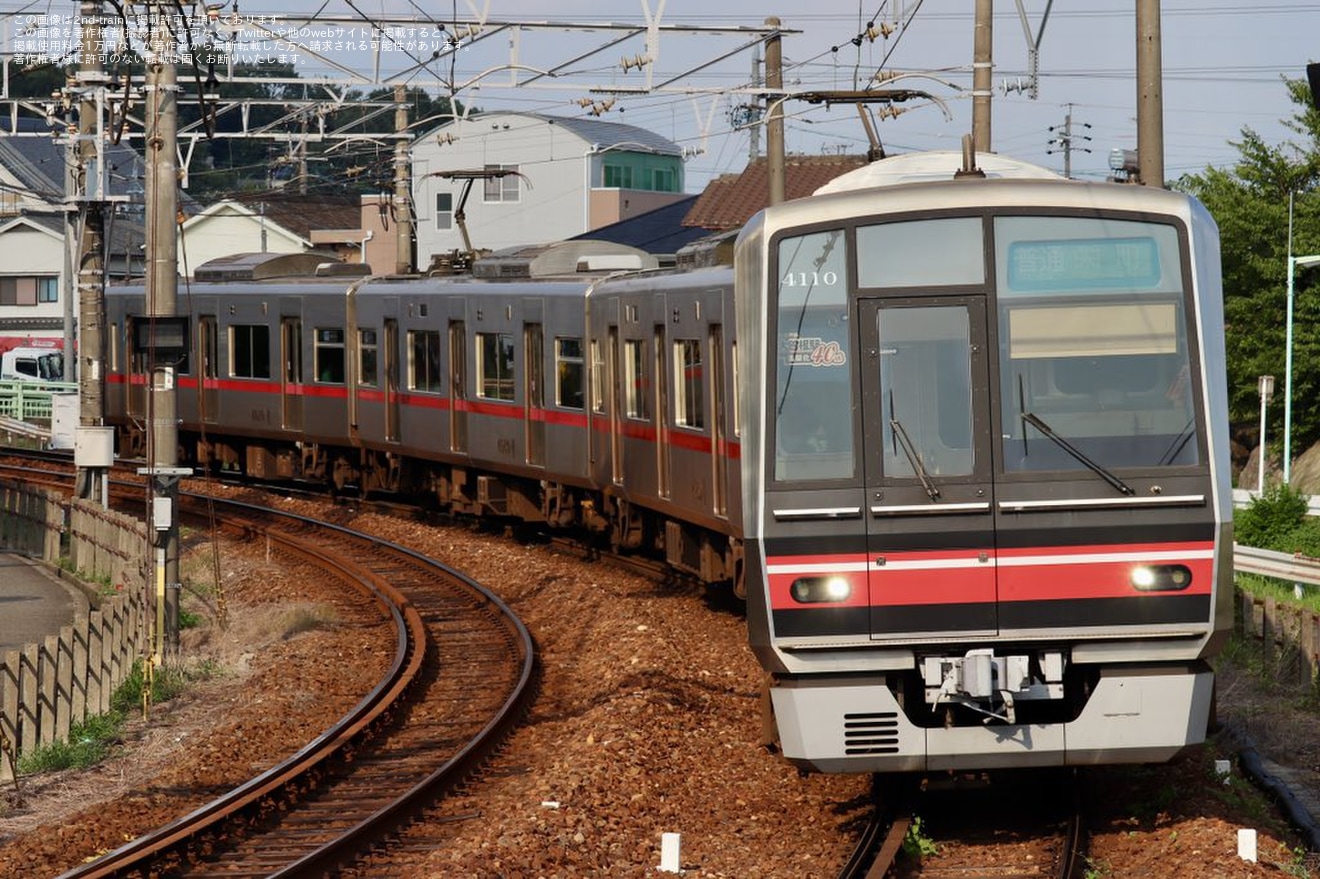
[601,516]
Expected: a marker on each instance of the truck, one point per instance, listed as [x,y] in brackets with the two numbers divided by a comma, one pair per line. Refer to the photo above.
[32,364]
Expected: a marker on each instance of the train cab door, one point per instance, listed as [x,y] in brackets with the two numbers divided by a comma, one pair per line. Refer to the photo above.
[291,372]
[927,463]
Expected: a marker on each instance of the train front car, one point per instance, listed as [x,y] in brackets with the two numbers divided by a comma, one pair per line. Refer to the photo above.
[986,471]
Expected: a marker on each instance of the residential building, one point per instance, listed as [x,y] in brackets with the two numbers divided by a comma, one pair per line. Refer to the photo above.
[276,221]
[565,176]
[36,284]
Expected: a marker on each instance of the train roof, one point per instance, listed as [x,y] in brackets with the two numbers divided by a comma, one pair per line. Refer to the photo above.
[931,166]
[972,193]
[264,266]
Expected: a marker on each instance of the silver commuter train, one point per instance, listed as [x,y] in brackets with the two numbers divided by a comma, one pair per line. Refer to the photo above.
[1006,540]
[969,464]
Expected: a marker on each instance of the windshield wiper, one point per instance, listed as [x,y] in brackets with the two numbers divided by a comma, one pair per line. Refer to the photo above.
[1179,442]
[913,458]
[1032,419]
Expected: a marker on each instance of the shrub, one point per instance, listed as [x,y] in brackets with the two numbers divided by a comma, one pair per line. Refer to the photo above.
[1272,519]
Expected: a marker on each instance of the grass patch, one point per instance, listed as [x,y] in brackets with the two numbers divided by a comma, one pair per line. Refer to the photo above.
[88,743]
[166,683]
[1282,591]
[95,738]
[307,619]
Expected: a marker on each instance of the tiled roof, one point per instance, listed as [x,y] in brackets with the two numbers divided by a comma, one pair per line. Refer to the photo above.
[300,214]
[730,201]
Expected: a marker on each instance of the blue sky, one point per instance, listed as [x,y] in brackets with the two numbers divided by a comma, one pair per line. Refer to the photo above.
[1223,62]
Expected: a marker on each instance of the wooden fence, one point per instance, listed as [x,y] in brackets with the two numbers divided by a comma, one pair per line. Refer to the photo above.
[45,688]
[1287,635]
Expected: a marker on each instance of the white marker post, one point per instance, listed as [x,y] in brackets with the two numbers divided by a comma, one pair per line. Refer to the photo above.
[1247,845]
[669,859]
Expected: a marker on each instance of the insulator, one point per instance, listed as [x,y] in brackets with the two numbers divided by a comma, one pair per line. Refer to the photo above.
[638,61]
[883,30]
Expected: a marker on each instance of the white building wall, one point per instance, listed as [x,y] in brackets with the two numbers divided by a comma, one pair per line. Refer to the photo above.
[552,201]
[228,231]
[29,251]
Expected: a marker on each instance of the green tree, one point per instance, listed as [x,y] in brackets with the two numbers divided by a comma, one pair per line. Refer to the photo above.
[1250,204]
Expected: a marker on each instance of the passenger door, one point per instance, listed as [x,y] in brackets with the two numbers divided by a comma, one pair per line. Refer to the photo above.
[291,372]
[392,373]
[208,369]
[534,393]
[928,471]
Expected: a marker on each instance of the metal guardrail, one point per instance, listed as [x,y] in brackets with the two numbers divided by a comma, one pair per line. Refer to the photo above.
[1242,497]
[1284,566]
[29,401]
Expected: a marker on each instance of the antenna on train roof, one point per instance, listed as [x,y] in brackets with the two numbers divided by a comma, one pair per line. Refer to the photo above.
[968,168]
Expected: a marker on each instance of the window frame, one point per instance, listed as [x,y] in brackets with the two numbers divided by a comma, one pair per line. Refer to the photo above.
[323,356]
[501,190]
[496,366]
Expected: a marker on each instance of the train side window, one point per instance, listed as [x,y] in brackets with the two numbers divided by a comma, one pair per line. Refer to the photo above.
[368,357]
[689,403]
[249,351]
[569,371]
[495,366]
[424,360]
[329,355]
[635,380]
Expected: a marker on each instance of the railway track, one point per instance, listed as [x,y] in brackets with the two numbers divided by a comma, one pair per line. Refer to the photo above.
[460,678]
[1018,824]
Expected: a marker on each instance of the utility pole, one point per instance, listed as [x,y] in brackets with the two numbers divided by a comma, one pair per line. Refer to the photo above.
[1150,96]
[1065,141]
[754,130]
[403,230]
[302,155]
[94,445]
[165,337]
[774,128]
[982,66]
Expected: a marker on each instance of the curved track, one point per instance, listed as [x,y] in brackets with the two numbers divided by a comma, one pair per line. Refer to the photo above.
[460,677]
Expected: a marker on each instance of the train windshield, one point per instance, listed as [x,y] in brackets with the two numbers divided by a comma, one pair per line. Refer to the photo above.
[813,410]
[1095,367]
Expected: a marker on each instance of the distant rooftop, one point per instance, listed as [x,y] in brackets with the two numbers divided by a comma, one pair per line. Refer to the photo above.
[597,131]
[659,231]
[730,200]
[300,213]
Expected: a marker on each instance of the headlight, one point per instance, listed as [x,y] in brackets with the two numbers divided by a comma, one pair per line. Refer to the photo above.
[1161,578]
[815,590]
